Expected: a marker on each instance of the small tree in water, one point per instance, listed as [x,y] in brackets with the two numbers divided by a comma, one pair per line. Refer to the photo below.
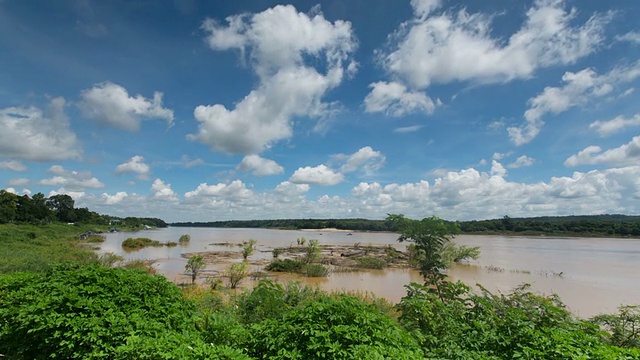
[429,236]
[194,266]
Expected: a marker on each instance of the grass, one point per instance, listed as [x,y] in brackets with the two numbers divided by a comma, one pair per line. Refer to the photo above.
[371,263]
[26,247]
[295,266]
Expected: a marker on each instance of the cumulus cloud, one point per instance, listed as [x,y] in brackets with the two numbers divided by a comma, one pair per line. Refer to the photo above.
[608,127]
[163,191]
[115,198]
[288,192]
[72,181]
[626,154]
[319,175]
[365,159]
[135,165]
[522,161]
[111,105]
[12,165]
[497,169]
[394,99]
[283,46]
[236,190]
[578,89]
[459,46]
[260,166]
[29,133]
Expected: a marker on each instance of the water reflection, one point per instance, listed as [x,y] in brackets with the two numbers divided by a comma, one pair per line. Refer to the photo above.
[597,275]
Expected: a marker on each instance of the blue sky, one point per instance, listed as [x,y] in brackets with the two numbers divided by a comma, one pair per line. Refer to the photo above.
[209,110]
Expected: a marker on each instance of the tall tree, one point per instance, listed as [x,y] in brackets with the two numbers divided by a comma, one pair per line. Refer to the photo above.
[63,207]
[8,206]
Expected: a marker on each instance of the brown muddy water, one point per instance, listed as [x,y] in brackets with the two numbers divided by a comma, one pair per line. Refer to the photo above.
[591,275]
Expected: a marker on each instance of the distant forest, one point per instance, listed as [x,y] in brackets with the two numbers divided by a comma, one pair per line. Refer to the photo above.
[583,225]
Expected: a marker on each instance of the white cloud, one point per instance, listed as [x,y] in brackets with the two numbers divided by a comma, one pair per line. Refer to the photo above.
[162,191]
[19,182]
[189,163]
[624,155]
[522,161]
[319,175]
[110,104]
[608,127]
[234,191]
[395,100]
[499,156]
[497,169]
[115,198]
[365,159]
[452,47]
[283,46]
[135,165]
[408,129]
[72,181]
[75,195]
[28,133]
[12,165]
[579,88]
[632,36]
[287,192]
[260,166]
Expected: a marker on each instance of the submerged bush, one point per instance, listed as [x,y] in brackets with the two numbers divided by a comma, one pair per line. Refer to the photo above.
[285,265]
[139,243]
[371,263]
[315,270]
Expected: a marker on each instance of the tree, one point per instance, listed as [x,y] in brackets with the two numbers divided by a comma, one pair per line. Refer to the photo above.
[62,206]
[194,266]
[247,248]
[8,206]
[429,236]
[236,273]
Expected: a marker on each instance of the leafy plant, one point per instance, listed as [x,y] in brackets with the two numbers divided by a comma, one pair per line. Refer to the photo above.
[312,252]
[248,247]
[315,270]
[184,239]
[340,327]
[371,263]
[236,272]
[80,312]
[623,328]
[285,265]
[277,251]
[194,266]
[139,243]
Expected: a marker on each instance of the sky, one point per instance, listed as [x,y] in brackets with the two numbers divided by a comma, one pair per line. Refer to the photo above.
[193,110]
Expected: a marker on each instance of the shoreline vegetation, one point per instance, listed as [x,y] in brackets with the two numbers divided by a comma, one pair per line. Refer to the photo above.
[610,226]
[95,306]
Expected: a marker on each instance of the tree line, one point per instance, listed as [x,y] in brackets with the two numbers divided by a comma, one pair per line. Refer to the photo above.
[39,209]
[585,225]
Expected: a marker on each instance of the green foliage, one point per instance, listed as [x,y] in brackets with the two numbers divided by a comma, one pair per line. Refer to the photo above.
[139,243]
[195,264]
[285,265]
[339,327]
[27,247]
[88,312]
[184,239]
[315,270]
[276,252]
[311,252]
[142,265]
[429,235]
[457,253]
[371,263]
[623,328]
[236,272]
[248,247]
[296,266]
[457,324]
[301,241]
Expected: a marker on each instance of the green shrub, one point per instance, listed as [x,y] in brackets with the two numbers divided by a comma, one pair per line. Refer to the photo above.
[139,243]
[333,328]
[315,270]
[75,311]
[371,263]
[285,265]
[184,239]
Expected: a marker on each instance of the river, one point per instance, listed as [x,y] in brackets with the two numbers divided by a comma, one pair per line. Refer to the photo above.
[591,275]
